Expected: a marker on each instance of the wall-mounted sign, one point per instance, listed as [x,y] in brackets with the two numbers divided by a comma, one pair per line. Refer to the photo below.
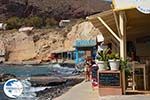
[85,43]
[143,6]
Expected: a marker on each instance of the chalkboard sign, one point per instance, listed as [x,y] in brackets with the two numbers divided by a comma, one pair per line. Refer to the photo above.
[109,79]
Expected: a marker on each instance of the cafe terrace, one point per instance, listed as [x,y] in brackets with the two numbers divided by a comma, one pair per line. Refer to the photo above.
[126,26]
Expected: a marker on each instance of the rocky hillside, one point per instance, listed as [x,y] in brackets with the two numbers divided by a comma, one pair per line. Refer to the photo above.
[59,9]
[23,46]
[38,44]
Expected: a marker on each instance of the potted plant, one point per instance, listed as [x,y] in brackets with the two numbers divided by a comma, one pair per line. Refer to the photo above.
[127,69]
[102,59]
[114,61]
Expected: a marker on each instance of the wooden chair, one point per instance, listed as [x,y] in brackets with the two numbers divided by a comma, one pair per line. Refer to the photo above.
[136,65]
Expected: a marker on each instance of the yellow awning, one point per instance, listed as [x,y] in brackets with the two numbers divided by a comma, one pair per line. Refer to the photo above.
[137,23]
[108,18]
[123,4]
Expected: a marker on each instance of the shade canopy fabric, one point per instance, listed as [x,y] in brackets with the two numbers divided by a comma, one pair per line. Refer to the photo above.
[124,4]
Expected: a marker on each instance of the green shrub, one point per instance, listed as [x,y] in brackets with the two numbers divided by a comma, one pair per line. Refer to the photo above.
[103,55]
[51,22]
[33,21]
[113,56]
[14,23]
[126,67]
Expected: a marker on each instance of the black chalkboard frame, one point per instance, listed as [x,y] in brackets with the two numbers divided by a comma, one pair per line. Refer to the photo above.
[110,72]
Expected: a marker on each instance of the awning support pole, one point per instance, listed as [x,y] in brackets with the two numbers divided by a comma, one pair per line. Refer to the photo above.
[109,29]
[117,23]
[122,26]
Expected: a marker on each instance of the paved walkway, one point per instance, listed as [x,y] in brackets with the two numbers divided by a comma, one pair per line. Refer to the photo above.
[126,97]
[84,91]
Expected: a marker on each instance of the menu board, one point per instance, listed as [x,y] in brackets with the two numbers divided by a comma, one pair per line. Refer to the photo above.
[109,79]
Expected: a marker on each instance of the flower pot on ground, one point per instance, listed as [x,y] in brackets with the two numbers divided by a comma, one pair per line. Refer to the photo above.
[102,59]
[114,61]
[126,67]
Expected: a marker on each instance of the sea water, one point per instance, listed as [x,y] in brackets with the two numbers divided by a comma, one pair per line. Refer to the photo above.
[27,71]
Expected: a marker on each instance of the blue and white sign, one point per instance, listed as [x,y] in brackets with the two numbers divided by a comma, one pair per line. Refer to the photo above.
[84,43]
[13,88]
[143,6]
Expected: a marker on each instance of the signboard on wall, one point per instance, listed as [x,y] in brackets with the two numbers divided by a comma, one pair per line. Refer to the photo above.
[141,5]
